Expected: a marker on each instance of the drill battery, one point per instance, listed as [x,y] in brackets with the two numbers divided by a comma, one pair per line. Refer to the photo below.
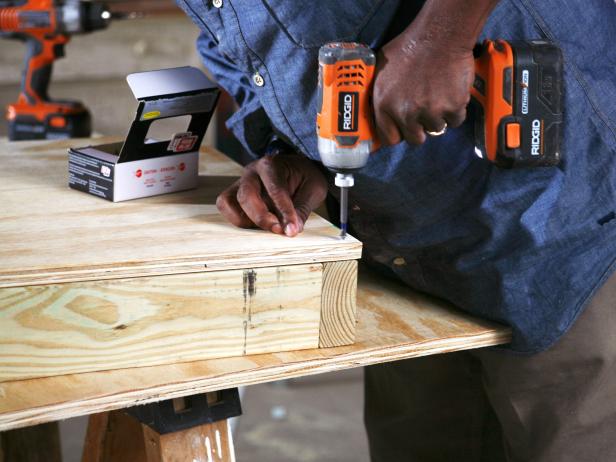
[73,121]
[518,102]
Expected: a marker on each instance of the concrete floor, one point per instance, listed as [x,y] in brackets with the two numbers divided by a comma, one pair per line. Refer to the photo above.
[317,418]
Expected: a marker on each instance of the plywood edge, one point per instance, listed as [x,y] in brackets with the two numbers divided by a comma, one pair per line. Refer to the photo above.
[63,409]
[338,304]
[298,256]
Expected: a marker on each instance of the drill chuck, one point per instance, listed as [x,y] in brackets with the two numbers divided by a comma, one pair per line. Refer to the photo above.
[344,180]
[79,17]
[72,17]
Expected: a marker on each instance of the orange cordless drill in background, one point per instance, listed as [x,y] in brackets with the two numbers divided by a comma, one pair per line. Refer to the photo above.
[517,95]
[46,26]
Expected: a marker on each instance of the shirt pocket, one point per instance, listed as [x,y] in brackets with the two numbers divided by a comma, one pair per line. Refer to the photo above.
[311,24]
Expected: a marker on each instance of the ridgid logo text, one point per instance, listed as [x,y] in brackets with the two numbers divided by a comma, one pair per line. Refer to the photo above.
[535,140]
[347,111]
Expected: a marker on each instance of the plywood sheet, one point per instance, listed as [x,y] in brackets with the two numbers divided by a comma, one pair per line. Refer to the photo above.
[51,234]
[394,323]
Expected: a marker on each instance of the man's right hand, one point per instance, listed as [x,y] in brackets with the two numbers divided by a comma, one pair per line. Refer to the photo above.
[275,193]
[424,75]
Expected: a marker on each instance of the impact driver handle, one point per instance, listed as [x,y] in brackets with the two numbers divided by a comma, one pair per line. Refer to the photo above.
[40,56]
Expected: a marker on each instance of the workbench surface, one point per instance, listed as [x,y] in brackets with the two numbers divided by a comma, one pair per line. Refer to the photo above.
[394,322]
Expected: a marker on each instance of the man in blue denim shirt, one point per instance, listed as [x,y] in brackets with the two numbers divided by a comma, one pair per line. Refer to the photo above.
[530,248]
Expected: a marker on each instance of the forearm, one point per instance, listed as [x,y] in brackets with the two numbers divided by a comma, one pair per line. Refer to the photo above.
[454,23]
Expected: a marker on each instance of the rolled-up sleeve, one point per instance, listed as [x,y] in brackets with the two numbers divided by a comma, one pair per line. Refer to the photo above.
[250,124]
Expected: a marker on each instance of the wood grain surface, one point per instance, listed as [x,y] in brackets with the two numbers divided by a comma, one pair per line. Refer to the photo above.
[102,325]
[40,443]
[338,304]
[114,437]
[394,323]
[52,234]
[204,443]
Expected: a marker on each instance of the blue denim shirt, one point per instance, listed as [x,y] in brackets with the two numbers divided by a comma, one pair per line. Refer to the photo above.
[522,247]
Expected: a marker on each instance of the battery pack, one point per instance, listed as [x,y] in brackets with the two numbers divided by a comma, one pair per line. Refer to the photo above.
[55,126]
[518,96]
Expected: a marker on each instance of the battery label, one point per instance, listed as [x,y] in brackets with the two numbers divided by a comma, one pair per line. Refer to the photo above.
[525,81]
[347,111]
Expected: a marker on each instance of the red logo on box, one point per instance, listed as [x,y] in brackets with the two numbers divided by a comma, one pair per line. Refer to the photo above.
[182,167]
[138,173]
[182,142]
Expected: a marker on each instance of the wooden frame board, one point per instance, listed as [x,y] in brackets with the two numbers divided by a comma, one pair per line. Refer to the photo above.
[111,324]
[89,285]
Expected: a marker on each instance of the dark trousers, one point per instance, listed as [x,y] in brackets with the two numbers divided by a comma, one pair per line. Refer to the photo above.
[492,406]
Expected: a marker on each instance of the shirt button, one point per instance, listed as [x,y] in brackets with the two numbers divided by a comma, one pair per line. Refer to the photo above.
[258,79]
[399,261]
[217,3]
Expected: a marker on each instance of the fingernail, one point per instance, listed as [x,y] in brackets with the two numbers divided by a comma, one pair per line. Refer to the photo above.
[277,229]
[290,229]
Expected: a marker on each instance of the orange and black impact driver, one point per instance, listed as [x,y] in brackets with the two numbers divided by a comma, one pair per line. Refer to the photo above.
[46,26]
[517,96]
